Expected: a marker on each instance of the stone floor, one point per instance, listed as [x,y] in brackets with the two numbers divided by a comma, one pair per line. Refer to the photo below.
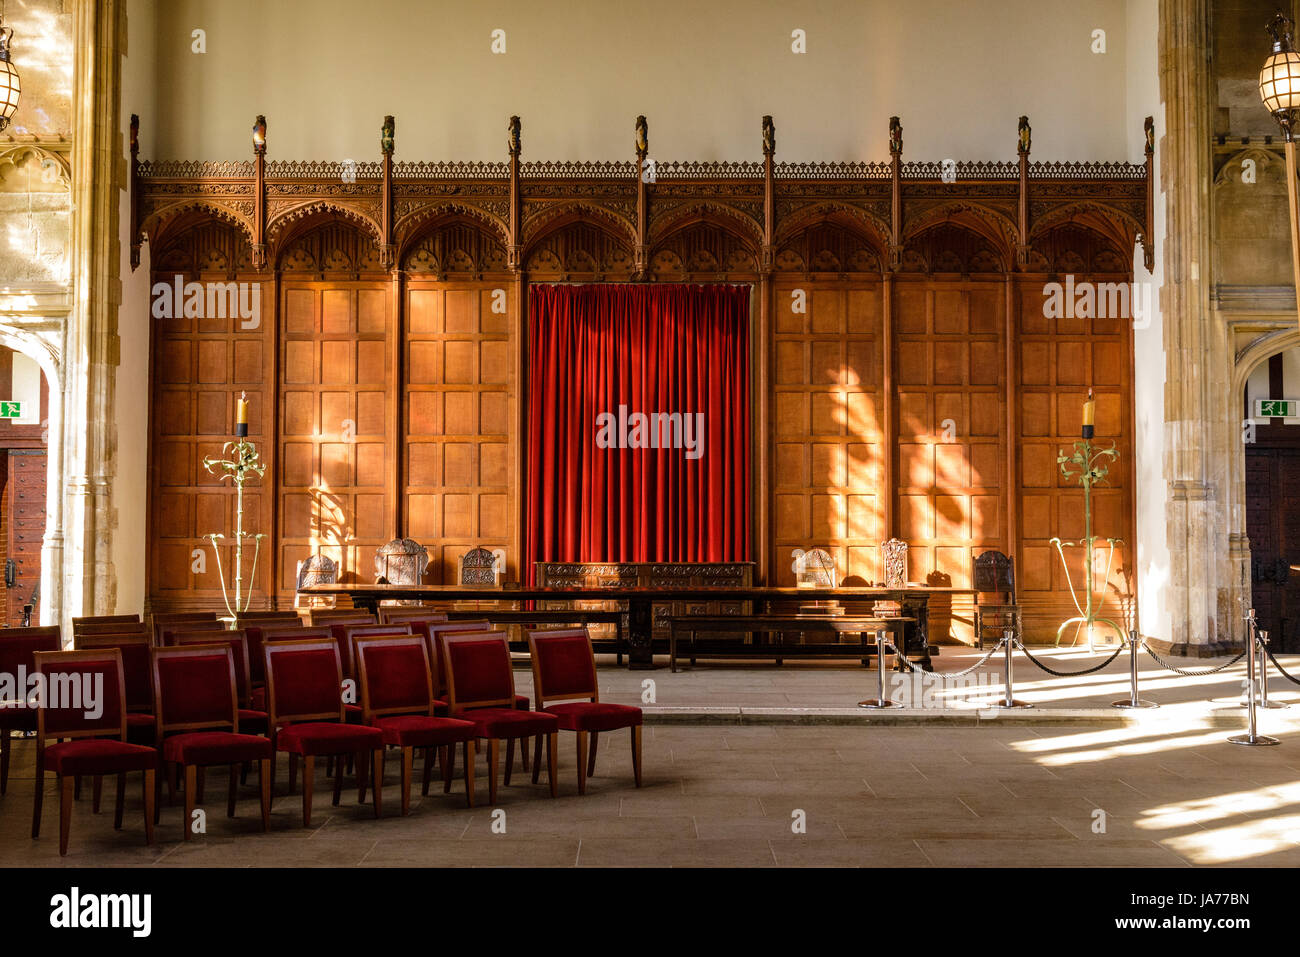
[1167,789]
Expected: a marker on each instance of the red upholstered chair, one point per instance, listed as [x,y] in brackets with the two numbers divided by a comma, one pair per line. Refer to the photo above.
[564,669]
[397,698]
[18,648]
[348,633]
[137,673]
[111,628]
[277,631]
[303,682]
[197,710]
[78,624]
[391,613]
[167,621]
[324,617]
[251,720]
[87,741]
[481,689]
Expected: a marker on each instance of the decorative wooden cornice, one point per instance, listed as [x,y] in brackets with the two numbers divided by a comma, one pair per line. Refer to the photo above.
[640,203]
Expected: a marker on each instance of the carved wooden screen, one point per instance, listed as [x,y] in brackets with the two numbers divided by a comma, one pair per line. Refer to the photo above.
[338,430]
[201,363]
[460,408]
[828,425]
[1059,358]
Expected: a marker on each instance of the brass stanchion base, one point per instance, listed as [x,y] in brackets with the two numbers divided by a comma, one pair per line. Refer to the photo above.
[1258,740]
[1014,703]
[1271,705]
[877,703]
[1129,703]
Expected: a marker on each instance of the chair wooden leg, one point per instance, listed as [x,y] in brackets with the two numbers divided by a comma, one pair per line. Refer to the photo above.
[6,742]
[38,798]
[338,781]
[265,775]
[200,781]
[96,792]
[234,790]
[171,771]
[408,763]
[378,785]
[537,758]
[150,786]
[493,747]
[243,772]
[308,775]
[636,753]
[76,792]
[362,766]
[120,804]
[191,790]
[449,770]
[552,759]
[293,772]
[469,773]
[448,756]
[510,759]
[523,753]
[582,761]
[157,791]
[428,768]
[591,761]
[67,786]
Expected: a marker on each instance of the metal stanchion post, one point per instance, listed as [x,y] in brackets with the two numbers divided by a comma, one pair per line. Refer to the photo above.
[1008,637]
[1133,700]
[1250,737]
[880,701]
[1263,701]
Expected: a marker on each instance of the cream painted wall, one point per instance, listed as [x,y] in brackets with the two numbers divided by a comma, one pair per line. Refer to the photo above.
[130,491]
[958,73]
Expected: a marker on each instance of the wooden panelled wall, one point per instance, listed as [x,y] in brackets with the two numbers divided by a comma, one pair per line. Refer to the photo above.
[927,403]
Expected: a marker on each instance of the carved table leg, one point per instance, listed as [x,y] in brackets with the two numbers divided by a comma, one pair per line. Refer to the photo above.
[640,638]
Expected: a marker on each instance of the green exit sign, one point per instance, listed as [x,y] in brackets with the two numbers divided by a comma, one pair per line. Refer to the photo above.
[11,409]
[1277,408]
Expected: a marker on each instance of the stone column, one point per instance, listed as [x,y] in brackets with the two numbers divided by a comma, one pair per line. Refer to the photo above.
[92,340]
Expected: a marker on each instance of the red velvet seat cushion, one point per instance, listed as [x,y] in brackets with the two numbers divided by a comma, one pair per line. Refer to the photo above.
[328,737]
[422,731]
[140,728]
[14,718]
[594,715]
[215,747]
[98,756]
[252,722]
[509,723]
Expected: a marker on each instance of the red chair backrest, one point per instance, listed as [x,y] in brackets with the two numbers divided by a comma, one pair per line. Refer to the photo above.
[109,628]
[137,668]
[18,649]
[437,657]
[238,642]
[347,634]
[84,695]
[78,623]
[394,675]
[194,688]
[388,615]
[478,671]
[166,622]
[276,631]
[304,679]
[564,665]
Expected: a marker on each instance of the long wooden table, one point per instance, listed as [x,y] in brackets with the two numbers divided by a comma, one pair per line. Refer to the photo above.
[768,625]
[914,600]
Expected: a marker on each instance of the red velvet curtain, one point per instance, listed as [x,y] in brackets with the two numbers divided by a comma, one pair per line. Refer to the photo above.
[596,492]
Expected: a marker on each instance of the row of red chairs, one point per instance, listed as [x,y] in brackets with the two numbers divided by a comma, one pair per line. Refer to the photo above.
[201,688]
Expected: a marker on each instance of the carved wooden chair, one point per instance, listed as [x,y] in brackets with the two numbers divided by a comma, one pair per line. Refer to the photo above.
[317,570]
[994,581]
[478,566]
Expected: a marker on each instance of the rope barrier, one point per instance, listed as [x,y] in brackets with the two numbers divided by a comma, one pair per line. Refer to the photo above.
[1277,664]
[1068,674]
[1188,672]
[949,675]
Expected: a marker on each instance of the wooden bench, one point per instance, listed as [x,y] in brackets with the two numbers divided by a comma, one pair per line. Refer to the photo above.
[562,616]
[767,624]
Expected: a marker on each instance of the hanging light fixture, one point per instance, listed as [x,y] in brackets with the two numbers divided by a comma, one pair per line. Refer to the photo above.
[1279,88]
[10,87]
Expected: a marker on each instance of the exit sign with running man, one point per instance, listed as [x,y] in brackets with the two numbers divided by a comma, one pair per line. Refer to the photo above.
[11,409]
[1277,408]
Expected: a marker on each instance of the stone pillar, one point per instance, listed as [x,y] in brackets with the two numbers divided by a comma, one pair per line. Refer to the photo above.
[1205,567]
[92,340]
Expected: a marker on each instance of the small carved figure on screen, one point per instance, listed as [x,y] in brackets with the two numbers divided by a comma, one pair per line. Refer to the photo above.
[386,136]
[895,136]
[1025,134]
[642,136]
[769,136]
[512,141]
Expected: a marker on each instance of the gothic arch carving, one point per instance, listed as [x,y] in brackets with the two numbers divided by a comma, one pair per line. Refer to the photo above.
[952,247]
[992,225]
[282,225]
[200,242]
[411,226]
[539,222]
[453,244]
[674,218]
[329,245]
[58,163]
[162,223]
[581,247]
[871,228]
[1117,226]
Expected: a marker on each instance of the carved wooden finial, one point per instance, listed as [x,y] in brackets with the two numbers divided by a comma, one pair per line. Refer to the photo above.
[512,140]
[135,134]
[769,136]
[1026,133]
[642,137]
[259,135]
[387,136]
[1149,127]
[895,136]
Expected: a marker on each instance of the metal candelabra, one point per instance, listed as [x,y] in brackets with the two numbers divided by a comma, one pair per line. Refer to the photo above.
[243,461]
[1087,466]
